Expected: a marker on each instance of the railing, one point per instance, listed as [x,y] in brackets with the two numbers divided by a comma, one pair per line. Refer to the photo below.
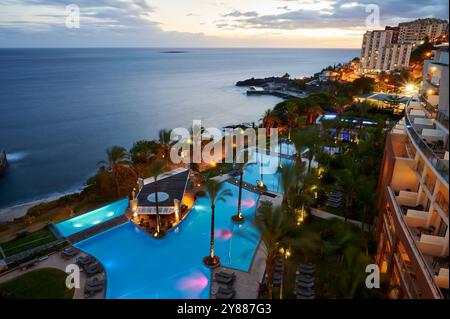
[440,165]
[411,287]
[427,106]
[442,118]
[411,242]
[429,183]
[442,202]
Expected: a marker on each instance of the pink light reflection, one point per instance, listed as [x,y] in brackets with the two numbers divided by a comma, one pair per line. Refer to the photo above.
[248,203]
[224,234]
[193,285]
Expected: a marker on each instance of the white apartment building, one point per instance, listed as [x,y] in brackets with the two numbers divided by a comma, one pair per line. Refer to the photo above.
[417,30]
[380,53]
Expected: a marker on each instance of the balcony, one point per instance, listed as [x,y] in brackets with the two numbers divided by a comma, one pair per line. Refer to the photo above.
[430,145]
[442,202]
[417,243]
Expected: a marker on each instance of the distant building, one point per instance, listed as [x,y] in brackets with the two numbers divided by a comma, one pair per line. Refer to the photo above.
[381,52]
[418,30]
[390,49]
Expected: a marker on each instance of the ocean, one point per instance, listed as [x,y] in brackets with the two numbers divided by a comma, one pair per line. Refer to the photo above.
[61,108]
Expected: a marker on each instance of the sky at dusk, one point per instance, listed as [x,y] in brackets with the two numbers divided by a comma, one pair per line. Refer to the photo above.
[203,23]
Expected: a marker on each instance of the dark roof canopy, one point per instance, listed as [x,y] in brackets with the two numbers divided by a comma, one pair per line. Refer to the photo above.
[173,185]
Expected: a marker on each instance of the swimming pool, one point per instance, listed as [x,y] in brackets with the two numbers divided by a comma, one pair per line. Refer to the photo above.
[87,220]
[138,267]
[252,171]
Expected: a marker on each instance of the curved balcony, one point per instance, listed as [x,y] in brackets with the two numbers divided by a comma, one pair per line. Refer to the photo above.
[441,167]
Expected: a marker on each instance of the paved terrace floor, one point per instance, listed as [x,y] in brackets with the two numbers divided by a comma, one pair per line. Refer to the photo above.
[56,261]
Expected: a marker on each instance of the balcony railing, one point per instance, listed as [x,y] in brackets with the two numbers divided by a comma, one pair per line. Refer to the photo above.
[397,211]
[440,165]
[427,106]
[442,202]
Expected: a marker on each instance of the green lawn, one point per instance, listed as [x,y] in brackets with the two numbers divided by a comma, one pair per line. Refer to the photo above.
[47,283]
[29,241]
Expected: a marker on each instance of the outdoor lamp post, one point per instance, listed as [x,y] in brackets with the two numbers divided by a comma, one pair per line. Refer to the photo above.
[285,253]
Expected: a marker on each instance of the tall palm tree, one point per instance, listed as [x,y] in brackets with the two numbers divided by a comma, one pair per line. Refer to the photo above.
[239,217]
[348,184]
[165,145]
[303,189]
[308,138]
[117,160]
[269,120]
[215,193]
[156,169]
[274,228]
[290,117]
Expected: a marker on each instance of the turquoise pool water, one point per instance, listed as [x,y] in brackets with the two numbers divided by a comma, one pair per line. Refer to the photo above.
[252,171]
[85,221]
[138,266]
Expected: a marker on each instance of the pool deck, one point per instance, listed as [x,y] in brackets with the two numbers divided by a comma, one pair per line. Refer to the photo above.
[56,261]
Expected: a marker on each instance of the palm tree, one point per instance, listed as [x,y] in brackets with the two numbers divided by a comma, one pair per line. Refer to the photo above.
[117,161]
[365,197]
[274,228]
[239,217]
[156,169]
[308,138]
[215,192]
[165,145]
[269,120]
[290,117]
[304,189]
[348,184]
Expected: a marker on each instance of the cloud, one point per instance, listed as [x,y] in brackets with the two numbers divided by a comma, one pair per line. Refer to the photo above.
[238,14]
[340,14]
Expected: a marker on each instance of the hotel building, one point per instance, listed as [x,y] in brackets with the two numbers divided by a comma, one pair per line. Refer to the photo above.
[413,192]
[391,48]
[417,30]
[381,52]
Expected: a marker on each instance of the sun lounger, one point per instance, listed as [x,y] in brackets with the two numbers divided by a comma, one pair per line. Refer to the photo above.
[301,284]
[94,282]
[221,294]
[85,260]
[90,291]
[304,292]
[224,280]
[28,264]
[305,279]
[69,252]
[226,290]
[225,274]
[307,266]
[93,269]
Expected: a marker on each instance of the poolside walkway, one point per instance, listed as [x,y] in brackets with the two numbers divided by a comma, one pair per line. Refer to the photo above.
[55,261]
